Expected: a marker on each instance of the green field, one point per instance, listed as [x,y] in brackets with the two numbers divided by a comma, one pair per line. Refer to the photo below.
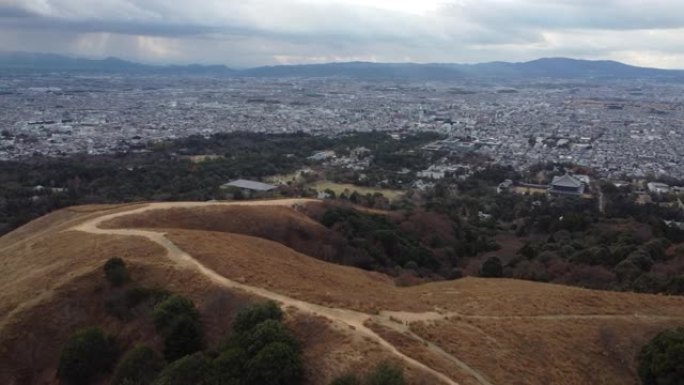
[339,188]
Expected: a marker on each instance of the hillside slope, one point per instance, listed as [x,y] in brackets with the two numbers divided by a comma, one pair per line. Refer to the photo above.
[471,331]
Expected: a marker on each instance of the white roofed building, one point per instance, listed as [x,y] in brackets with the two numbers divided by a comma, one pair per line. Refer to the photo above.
[248,188]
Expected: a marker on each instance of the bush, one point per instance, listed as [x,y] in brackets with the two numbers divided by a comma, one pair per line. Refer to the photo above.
[676,285]
[139,366]
[195,369]
[386,374]
[116,272]
[492,268]
[256,314]
[660,361]
[261,350]
[177,320]
[266,333]
[650,283]
[276,364]
[183,337]
[229,366]
[455,273]
[627,271]
[166,312]
[88,352]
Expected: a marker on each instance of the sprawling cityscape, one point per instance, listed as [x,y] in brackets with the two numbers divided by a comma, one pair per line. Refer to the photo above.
[342,192]
[616,128]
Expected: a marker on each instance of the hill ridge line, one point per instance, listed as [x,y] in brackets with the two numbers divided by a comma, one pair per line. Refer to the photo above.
[353,319]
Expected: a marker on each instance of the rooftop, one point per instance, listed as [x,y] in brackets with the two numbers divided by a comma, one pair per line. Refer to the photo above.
[250,185]
[566,181]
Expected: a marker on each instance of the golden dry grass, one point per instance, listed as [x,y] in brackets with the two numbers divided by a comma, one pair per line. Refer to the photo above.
[262,263]
[534,351]
[331,351]
[280,224]
[507,331]
[271,265]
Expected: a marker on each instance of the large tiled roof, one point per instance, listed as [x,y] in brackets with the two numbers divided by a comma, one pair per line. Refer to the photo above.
[566,181]
[250,185]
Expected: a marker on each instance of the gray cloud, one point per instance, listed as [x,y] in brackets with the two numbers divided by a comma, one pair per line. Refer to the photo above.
[255,32]
[589,14]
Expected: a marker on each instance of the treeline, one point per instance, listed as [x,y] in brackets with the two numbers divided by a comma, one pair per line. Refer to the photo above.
[567,240]
[564,239]
[163,171]
[415,242]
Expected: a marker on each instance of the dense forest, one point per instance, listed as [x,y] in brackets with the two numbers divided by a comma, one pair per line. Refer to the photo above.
[164,171]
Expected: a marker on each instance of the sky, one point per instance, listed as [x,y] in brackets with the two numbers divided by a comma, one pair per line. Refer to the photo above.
[247,33]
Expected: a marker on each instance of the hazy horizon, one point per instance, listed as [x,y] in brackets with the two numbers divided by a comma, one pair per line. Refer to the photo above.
[269,32]
[102,58]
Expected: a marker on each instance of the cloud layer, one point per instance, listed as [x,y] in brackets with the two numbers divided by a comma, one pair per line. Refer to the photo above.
[261,32]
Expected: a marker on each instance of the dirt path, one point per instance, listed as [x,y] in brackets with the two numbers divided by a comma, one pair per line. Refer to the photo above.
[356,321]
[435,316]
[352,319]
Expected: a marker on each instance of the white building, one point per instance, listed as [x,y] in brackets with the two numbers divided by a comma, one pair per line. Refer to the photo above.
[658,188]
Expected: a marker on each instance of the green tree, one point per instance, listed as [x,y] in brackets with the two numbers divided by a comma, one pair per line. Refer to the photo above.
[676,285]
[183,337]
[166,312]
[229,366]
[139,366]
[87,353]
[256,314]
[276,364]
[177,320]
[492,268]
[528,251]
[195,369]
[266,333]
[661,361]
[116,272]
[386,374]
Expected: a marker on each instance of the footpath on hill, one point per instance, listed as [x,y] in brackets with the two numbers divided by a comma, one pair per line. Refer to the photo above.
[355,321]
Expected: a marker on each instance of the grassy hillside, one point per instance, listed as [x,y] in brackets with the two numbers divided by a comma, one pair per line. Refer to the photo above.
[222,256]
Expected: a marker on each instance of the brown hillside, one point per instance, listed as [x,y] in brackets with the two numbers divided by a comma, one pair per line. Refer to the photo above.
[276,223]
[470,331]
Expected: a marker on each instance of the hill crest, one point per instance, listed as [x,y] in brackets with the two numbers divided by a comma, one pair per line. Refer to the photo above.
[471,331]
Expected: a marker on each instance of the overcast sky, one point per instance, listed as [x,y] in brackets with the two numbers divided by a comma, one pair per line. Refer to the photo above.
[264,32]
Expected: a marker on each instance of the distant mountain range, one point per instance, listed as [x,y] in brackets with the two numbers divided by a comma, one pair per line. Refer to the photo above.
[541,68]
[38,62]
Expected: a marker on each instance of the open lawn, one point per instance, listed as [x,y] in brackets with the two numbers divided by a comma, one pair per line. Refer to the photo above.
[204,158]
[339,188]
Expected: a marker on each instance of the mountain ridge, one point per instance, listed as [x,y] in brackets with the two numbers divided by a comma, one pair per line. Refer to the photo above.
[551,67]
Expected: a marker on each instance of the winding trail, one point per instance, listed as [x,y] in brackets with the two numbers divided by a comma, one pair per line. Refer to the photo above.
[354,320]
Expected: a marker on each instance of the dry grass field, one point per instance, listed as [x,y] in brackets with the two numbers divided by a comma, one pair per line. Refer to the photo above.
[471,331]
